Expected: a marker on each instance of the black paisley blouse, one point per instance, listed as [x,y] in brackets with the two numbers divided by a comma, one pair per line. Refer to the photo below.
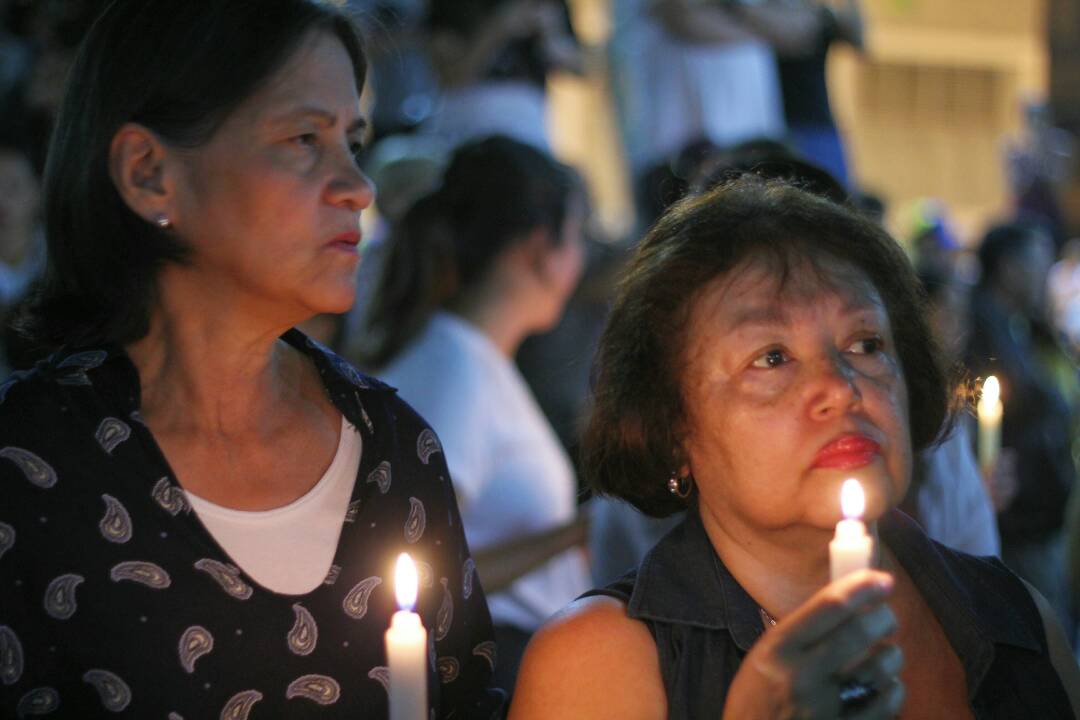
[115,600]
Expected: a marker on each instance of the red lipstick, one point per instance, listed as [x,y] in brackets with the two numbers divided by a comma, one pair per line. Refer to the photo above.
[847,452]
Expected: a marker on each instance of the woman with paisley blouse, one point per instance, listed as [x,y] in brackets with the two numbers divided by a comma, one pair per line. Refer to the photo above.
[202,508]
[766,345]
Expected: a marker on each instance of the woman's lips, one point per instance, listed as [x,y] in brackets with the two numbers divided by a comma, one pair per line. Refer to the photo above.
[348,242]
[847,452]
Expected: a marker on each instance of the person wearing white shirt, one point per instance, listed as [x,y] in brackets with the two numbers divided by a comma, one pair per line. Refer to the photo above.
[485,260]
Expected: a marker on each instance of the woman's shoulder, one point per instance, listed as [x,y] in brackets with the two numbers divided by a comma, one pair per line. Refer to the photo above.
[591,660]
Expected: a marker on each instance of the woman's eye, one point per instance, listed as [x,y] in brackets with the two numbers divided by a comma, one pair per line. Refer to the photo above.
[866,346]
[770,359]
[306,139]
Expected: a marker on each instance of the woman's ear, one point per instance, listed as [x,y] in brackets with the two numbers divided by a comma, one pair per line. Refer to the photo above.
[138,168]
[538,246]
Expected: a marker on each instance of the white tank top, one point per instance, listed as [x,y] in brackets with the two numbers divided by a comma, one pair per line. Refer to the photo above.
[290,549]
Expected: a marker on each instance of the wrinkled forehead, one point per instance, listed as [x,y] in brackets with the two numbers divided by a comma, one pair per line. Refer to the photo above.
[790,280]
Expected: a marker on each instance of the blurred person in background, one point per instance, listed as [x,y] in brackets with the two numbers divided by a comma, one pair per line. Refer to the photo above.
[1008,338]
[493,58]
[801,33]
[683,72]
[488,258]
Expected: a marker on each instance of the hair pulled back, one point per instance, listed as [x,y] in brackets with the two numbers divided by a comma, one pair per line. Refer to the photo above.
[494,192]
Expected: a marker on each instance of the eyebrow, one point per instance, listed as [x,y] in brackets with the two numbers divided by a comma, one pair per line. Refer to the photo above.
[773,314]
[324,117]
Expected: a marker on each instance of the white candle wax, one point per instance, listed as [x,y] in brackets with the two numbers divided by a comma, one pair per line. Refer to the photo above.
[406,649]
[990,410]
[851,548]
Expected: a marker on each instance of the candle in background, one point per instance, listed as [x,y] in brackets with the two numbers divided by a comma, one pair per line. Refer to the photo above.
[852,547]
[406,649]
[990,411]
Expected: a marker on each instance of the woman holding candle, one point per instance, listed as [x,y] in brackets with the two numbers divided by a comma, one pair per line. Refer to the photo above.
[201,508]
[766,346]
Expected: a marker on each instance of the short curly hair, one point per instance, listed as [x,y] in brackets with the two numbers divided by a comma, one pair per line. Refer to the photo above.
[633,440]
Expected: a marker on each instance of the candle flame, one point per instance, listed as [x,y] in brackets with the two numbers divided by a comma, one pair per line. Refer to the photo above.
[406,582]
[852,500]
[991,391]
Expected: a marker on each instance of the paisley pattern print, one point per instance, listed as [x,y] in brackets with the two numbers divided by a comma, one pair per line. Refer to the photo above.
[116,525]
[194,643]
[445,616]
[60,596]
[414,526]
[468,572]
[11,656]
[114,599]
[355,603]
[427,444]
[240,704]
[36,470]
[352,511]
[76,366]
[39,701]
[449,668]
[114,692]
[381,675]
[171,498]
[304,634]
[488,651]
[144,573]
[381,477]
[227,576]
[7,538]
[111,432]
[319,689]
[425,574]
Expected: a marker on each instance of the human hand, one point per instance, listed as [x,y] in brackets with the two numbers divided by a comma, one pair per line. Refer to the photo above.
[798,667]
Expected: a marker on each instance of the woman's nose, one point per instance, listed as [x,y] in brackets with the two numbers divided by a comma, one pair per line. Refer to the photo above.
[834,388]
[352,188]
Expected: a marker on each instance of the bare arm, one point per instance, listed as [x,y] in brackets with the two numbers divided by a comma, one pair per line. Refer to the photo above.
[1060,654]
[502,564]
[590,661]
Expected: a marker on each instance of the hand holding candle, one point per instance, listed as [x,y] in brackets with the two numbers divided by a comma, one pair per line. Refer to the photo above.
[406,649]
[851,548]
[990,411]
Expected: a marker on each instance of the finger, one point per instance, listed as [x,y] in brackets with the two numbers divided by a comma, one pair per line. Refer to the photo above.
[883,664]
[833,605]
[886,704]
[852,642]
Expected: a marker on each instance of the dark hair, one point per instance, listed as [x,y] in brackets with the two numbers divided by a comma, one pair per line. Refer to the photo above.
[633,441]
[1004,241]
[493,193]
[178,68]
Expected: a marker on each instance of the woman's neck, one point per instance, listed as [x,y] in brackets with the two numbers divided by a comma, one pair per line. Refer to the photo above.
[207,367]
[780,570]
[500,317]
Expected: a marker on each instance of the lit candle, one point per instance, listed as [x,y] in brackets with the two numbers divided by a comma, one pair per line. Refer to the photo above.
[406,649]
[990,410]
[852,547]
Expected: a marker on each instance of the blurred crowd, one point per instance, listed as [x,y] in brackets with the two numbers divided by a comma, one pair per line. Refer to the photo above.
[702,90]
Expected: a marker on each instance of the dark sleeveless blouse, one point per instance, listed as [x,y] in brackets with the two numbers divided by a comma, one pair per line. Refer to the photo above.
[704,622]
